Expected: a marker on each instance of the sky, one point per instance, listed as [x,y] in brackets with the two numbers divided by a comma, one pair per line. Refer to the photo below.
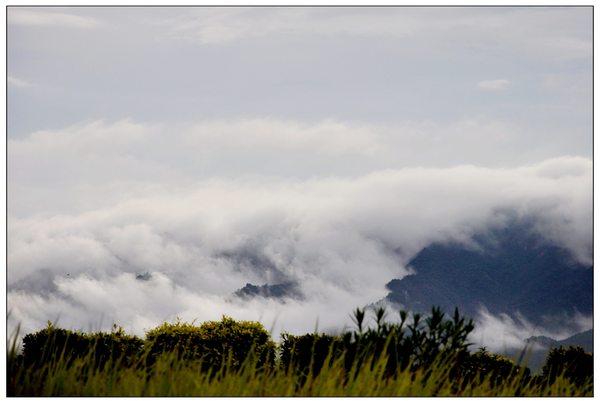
[328,144]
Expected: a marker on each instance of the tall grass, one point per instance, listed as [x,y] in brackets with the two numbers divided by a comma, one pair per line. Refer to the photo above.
[172,376]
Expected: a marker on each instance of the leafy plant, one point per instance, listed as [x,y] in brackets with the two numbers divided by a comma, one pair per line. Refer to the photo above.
[307,354]
[483,365]
[572,362]
[417,344]
[52,344]
[418,356]
[213,343]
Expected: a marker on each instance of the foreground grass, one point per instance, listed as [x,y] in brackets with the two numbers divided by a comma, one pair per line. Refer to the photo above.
[173,377]
[229,358]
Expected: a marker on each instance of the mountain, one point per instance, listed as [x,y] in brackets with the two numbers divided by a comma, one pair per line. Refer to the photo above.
[584,340]
[539,346]
[513,270]
[277,291]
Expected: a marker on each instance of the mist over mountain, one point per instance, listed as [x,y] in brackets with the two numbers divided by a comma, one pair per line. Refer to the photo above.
[278,291]
[523,290]
[537,348]
[183,252]
[509,270]
[584,340]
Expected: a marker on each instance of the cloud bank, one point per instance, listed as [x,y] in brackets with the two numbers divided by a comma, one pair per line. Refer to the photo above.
[96,164]
[341,238]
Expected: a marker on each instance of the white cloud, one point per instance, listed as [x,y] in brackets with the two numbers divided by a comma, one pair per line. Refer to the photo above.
[328,137]
[551,33]
[503,332]
[574,84]
[95,137]
[97,164]
[493,85]
[37,17]
[343,239]
[18,83]
[223,25]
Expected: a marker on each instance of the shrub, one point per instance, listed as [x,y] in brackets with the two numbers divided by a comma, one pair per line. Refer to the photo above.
[308,353]
[573,363]
[484,365]
[418,344]
[51,344]
[216,344]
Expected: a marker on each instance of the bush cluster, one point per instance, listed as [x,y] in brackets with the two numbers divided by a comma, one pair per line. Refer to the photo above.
[572,362]
[52,344]
[216,345]
[226,343]
[414,343]
[483,365]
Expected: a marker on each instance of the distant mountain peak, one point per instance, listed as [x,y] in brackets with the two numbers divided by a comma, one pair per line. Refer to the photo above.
[277,291]
[512,270]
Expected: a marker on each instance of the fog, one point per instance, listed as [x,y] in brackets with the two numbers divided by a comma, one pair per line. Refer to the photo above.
[340,238]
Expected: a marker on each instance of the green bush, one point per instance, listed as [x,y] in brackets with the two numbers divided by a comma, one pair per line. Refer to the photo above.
[52,344]
[572,362]
[415,357]
[226,343]
[307,354]
[418,344]
[483,365]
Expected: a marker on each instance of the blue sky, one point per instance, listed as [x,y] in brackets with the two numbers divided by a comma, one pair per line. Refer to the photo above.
[322,139]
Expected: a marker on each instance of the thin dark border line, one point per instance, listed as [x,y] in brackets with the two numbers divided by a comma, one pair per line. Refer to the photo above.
[6,185]
[593,186]
[303,6]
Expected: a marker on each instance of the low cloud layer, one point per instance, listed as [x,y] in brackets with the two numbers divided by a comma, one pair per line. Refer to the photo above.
[508,333]
[97,164]
[341,238]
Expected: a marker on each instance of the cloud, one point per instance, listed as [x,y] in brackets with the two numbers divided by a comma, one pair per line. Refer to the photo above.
[96,163]
[503,332]
[493,85]
[36,17]
[550,33]
[95,204]
[91,138]
[18,83]
[218,26]
[328,137]
[573,85]
[341,238]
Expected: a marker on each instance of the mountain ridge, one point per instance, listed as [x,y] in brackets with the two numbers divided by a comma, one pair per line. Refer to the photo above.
[514,271]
